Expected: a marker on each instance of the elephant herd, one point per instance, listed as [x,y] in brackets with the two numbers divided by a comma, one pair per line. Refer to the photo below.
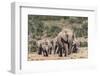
[63,44]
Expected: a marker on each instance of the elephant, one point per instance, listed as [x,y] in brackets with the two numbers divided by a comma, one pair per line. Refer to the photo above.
[54,45]
[39,47]
[62,50]
[49,45]
[65,39]
[75,46]
[44,47]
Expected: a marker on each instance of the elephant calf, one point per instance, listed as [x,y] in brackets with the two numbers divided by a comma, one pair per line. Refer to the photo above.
[75,46]
[44,47]
[54,46]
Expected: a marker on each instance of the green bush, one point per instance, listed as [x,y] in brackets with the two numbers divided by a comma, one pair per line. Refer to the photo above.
[53,31]
[83,44]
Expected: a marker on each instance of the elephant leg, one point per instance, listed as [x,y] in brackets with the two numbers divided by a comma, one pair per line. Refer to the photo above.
[40,51]
[45,53]
[65,49]
[70,48]
[55,50]
[75,48]
[60,51]
[50,51]
[69,52]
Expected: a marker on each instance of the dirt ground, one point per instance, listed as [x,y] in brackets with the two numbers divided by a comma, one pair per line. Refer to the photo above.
[83,53]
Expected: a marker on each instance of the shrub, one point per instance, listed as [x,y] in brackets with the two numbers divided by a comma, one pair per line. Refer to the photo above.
[83,44]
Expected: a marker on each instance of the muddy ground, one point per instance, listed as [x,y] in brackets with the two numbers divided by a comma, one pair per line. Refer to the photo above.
[83,53]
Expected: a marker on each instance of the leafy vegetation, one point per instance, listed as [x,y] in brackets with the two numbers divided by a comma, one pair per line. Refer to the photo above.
[83,44]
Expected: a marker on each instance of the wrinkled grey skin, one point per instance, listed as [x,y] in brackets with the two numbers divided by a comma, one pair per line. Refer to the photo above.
[65,39]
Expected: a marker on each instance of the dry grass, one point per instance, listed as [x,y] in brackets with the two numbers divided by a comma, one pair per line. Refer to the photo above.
[83,53]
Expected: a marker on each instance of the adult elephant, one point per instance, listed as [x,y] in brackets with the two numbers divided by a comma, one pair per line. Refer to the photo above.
[65,39]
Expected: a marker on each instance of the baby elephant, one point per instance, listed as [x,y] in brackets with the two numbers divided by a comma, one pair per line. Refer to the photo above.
[44,47]
[75,46]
